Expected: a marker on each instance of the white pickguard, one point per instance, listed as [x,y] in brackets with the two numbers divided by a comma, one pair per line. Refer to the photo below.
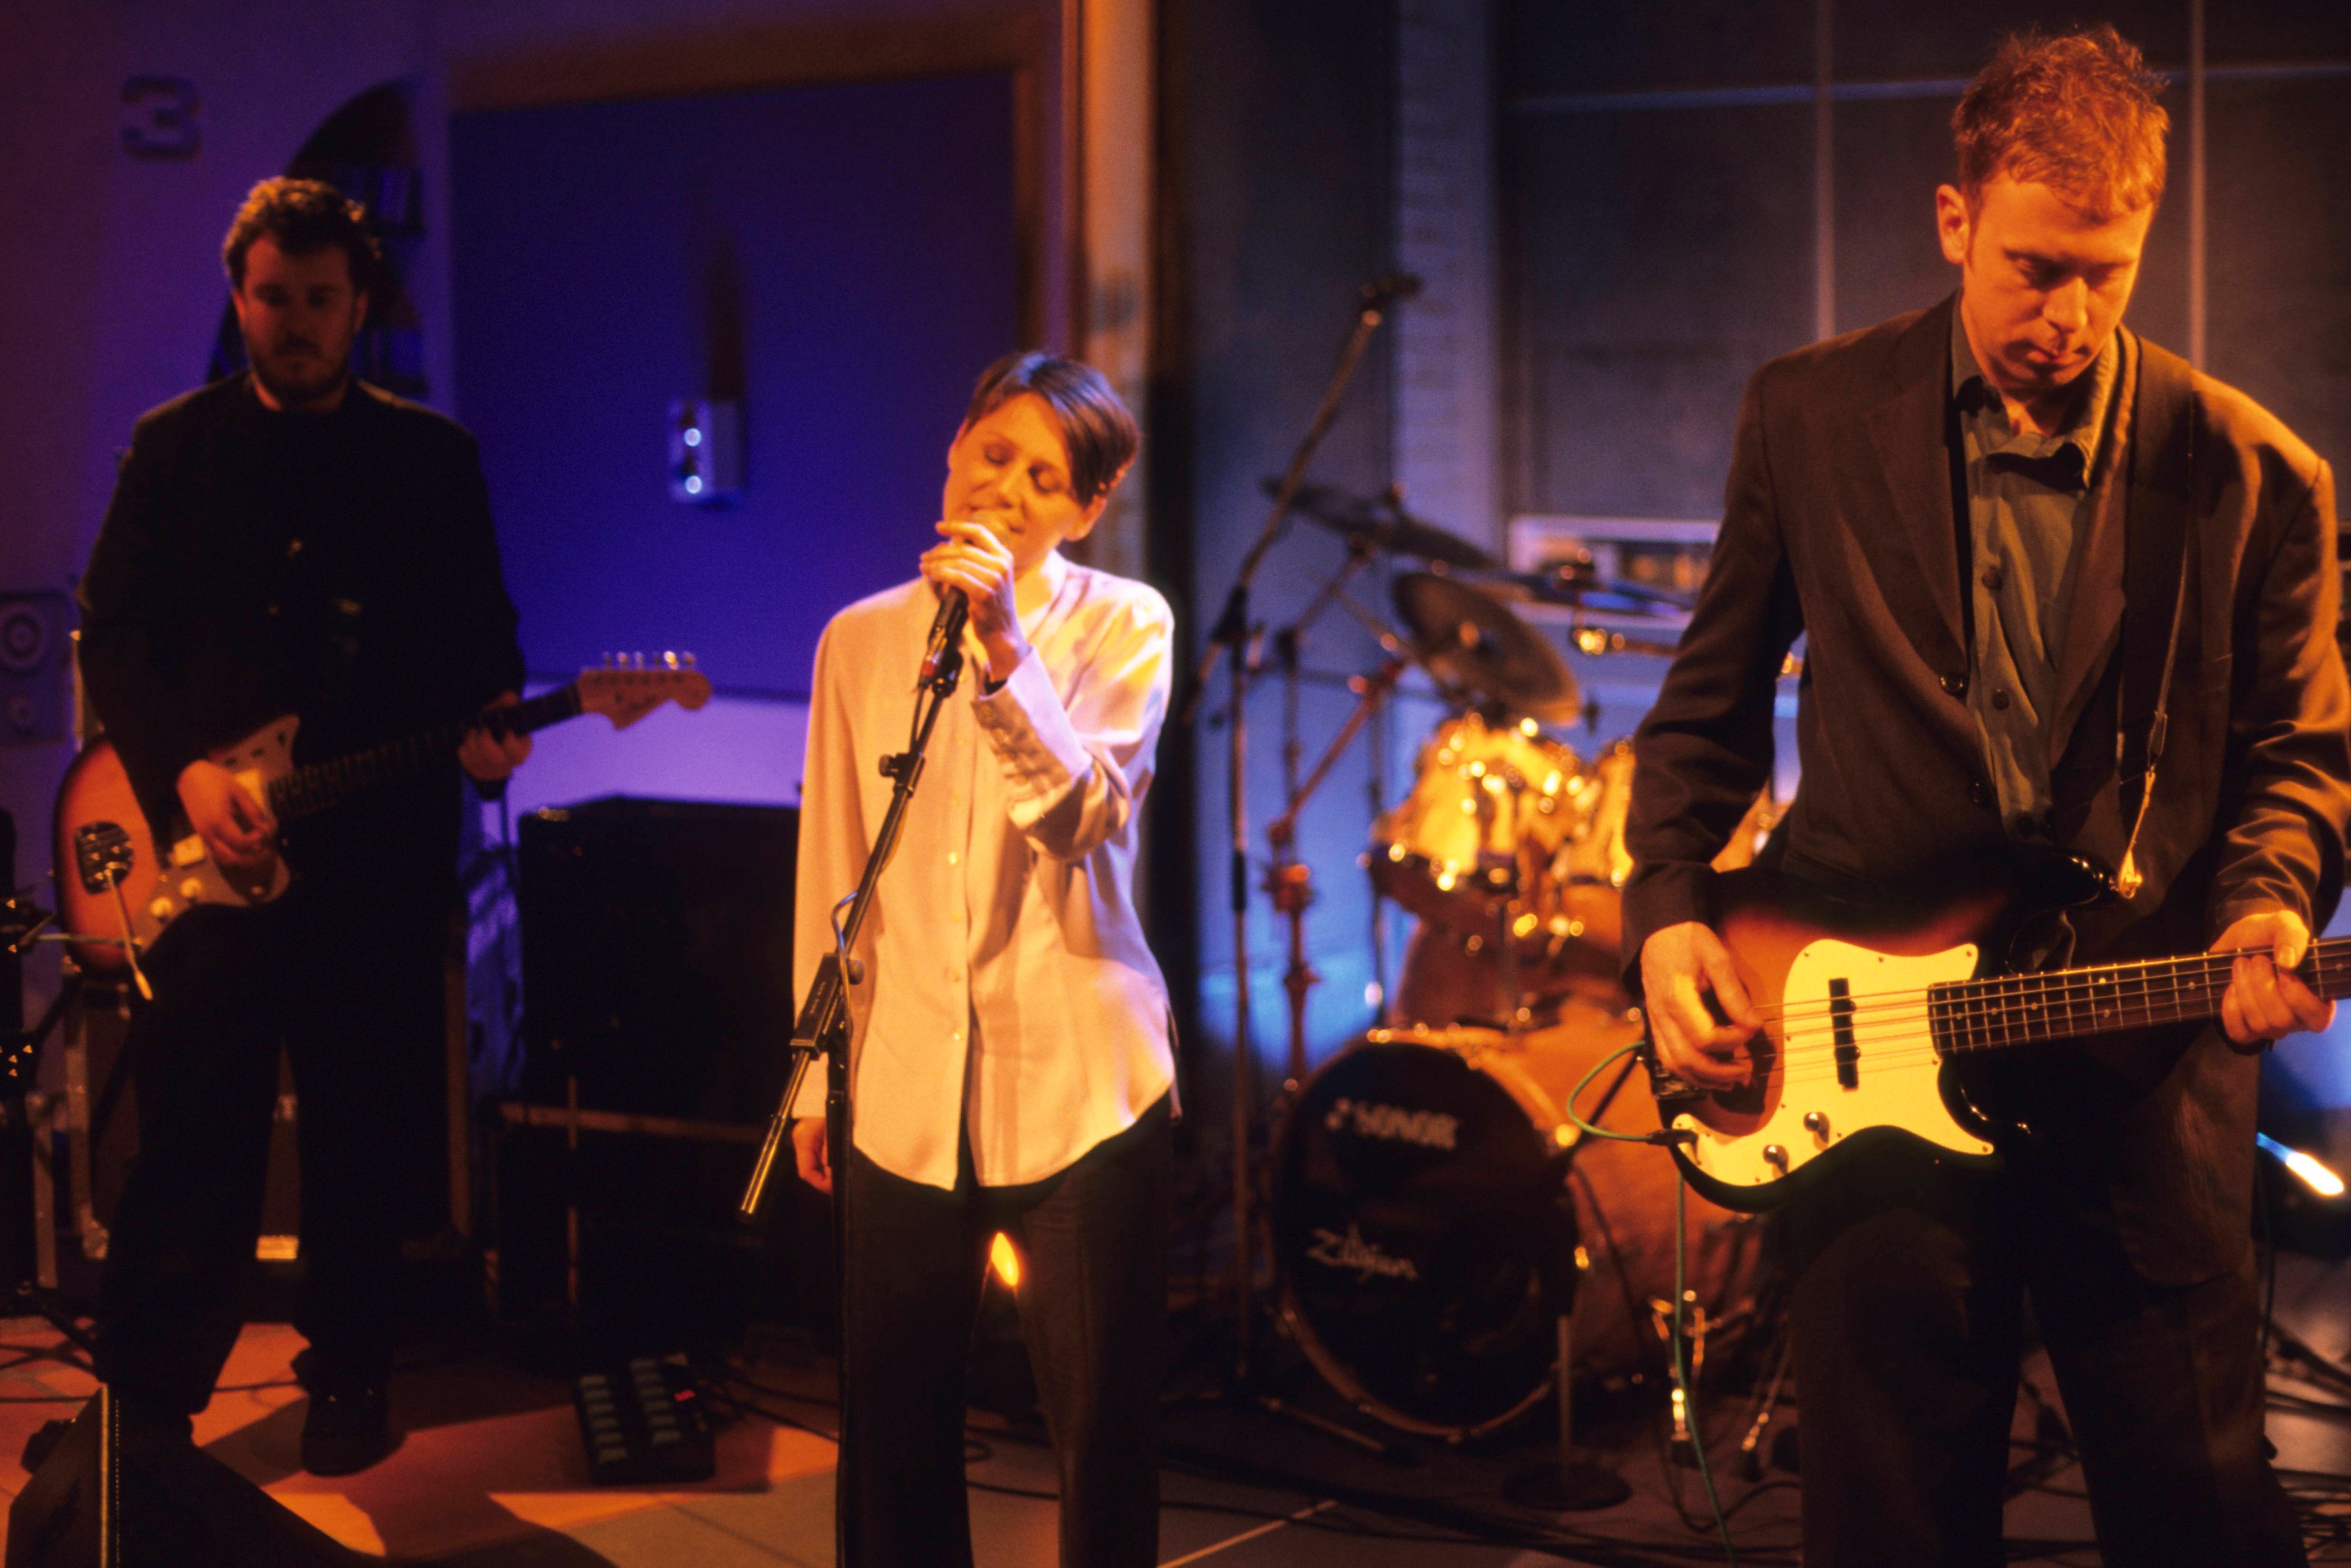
[1896,1074]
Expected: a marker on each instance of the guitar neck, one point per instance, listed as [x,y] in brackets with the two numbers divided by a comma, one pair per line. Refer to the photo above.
[322,784]
[1975,1015]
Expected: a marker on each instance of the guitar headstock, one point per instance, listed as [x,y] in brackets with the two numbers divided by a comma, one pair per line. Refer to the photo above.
[629,688]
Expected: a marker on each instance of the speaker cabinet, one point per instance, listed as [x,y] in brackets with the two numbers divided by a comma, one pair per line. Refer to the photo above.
[656,974]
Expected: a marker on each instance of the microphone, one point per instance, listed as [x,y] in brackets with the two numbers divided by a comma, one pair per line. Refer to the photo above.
[946,634]
[1391,286]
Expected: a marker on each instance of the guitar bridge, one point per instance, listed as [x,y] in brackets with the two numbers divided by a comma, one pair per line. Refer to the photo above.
[102,854]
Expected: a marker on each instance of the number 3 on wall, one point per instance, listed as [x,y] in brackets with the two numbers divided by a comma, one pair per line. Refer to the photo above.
[162,119]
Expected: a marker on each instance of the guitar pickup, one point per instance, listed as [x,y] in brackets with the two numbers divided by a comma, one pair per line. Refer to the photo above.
[1848,1054]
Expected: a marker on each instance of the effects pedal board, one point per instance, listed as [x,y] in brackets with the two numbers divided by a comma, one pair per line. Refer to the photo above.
[643,1423]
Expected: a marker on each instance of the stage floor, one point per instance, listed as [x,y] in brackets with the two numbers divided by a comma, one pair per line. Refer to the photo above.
[490,1474]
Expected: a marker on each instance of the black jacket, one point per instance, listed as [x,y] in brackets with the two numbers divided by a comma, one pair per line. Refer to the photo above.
[1839,523]
[340,566]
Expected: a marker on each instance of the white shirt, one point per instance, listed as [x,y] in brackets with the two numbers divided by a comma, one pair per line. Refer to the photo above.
[1006,984]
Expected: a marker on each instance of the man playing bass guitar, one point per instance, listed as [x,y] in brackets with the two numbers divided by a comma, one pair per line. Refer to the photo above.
[2059,593]
[292,540]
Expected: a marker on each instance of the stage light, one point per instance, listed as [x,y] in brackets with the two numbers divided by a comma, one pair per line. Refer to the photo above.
[1005,1261]
[2316,1177]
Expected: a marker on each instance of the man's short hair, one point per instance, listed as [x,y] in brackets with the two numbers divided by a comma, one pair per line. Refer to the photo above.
[2076,113]
[1100,433]
[302,216]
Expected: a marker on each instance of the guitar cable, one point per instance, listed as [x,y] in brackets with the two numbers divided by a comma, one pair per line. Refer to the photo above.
[1664,1137]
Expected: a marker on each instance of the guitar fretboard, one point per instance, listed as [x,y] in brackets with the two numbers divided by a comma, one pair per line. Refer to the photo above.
[322,784]
[2063,1004]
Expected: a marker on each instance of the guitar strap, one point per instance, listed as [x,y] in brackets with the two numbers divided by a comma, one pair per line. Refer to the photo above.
[2155,551]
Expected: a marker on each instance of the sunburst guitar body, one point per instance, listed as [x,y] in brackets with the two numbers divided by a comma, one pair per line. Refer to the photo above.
[120,890]
[1875,1029]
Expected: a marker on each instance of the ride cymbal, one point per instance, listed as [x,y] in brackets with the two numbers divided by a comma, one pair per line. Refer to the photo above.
[1470,639]
[1382,524]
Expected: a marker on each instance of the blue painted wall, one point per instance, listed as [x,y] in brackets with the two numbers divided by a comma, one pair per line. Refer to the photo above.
[844,258]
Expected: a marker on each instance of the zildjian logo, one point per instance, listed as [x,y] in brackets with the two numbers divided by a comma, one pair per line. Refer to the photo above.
[1352,1252]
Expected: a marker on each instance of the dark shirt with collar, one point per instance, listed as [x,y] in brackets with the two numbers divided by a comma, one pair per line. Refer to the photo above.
[2028,504]
[338,567]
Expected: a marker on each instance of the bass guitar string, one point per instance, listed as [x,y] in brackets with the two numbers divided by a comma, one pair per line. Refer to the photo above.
[1811,1058]
[2321,953]
[2027,1010]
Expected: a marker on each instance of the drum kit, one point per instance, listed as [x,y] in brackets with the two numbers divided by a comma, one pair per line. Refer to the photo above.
[1439,1224]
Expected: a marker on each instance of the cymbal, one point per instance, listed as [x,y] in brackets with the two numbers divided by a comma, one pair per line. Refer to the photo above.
[1470,639]
[1383,523]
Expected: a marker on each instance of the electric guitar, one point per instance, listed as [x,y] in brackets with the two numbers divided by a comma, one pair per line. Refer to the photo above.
[117,895]
[1876,1038]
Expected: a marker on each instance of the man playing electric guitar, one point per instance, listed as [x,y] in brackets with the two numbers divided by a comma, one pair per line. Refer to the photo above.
[2058,592]
[292,540]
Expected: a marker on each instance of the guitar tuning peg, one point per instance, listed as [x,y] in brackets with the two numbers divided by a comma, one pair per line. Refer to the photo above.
[607,661]
[689,659]
[639,658]
[668,660]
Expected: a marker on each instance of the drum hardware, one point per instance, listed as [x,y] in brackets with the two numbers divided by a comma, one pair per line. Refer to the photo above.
[1380,524]
[1290,882]
[1430,1199]
[1573,1483]
[1750,1447]
[1470,640]
[1230,639]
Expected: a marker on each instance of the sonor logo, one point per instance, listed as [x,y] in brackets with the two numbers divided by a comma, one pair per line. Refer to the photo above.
[1427,1129]
[1366,1258]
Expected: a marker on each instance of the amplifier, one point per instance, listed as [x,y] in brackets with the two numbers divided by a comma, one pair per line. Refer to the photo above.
[657,980]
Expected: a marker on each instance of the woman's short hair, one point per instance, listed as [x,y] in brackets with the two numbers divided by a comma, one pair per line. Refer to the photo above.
[1100,433]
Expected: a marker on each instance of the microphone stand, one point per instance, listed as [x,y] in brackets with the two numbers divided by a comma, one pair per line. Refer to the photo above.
[822,1029]
[1231,636]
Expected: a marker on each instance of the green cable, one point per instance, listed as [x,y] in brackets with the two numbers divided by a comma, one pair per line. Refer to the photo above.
[1682,1380]
[1590,1129]
[1681,1237]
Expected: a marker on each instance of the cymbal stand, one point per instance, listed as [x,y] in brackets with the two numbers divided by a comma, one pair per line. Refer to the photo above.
[1573,1482]
[1289,881]
[1230,639]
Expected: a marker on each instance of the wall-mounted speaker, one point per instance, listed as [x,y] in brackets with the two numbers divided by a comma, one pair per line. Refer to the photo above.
[35,659]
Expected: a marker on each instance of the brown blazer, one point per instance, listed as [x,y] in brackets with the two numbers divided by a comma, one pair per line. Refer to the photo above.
[1839,523]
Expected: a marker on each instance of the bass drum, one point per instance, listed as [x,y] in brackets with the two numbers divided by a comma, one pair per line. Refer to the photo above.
[1433,1206]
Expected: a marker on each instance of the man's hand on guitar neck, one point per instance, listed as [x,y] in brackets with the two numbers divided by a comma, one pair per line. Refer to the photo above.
[235,824]
[1680,967]
[2265,999]
[489,754]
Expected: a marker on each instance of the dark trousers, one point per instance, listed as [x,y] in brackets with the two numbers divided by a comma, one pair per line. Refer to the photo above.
[1093,1243]
[1909,1319]
[351,987]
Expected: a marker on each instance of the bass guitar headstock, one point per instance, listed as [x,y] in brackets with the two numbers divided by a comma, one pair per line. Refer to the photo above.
[629,686]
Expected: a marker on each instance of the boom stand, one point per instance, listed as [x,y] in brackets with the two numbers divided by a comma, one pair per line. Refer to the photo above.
[1231,637]
[822,1028]
[1575,1484]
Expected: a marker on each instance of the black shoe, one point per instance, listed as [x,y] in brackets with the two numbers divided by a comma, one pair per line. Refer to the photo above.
[346,1430]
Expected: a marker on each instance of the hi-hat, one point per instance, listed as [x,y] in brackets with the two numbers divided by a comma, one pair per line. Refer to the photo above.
[1382,524]
[1470,640]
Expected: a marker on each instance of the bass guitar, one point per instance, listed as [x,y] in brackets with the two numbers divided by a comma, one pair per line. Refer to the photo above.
[118,890]
[1875,1032]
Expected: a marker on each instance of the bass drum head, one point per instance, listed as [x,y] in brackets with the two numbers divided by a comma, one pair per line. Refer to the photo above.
[1419,1242]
